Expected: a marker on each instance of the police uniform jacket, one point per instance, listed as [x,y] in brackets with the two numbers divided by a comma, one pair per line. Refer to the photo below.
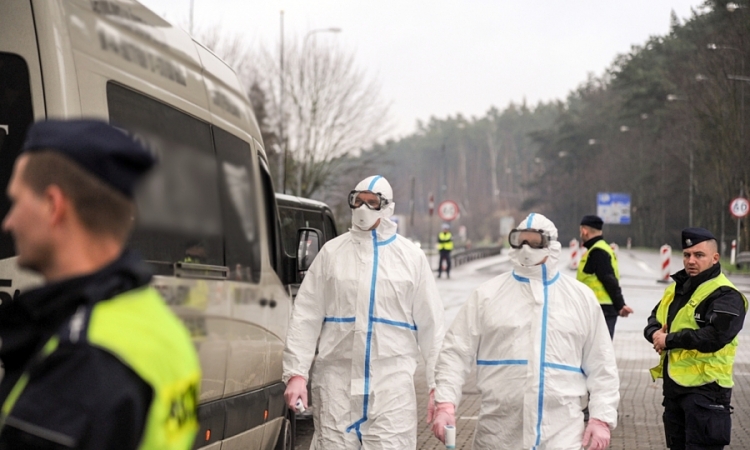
[80,396]
[708,337]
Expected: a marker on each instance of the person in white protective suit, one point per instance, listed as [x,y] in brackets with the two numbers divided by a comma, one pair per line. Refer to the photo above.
[371,298]
[540,343]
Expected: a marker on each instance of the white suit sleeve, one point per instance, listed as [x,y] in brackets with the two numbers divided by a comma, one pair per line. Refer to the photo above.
[600,367]
[428,317]
[459,352]
[306,322]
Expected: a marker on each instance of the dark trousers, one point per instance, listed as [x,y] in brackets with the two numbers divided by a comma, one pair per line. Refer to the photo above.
[445,255]
[694,421]
[610,316]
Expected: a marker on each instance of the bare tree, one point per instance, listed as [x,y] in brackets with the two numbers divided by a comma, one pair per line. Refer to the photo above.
[331,109]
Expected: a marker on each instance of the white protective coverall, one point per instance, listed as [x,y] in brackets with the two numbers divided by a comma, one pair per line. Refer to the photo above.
[371,298]
[540,343]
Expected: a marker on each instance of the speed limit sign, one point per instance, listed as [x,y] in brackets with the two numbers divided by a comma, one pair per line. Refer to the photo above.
[739,207]
[448,210]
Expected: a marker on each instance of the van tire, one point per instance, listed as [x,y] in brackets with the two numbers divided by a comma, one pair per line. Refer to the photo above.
[286,437]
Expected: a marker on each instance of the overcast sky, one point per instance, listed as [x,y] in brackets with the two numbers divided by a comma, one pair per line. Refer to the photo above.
[439,58]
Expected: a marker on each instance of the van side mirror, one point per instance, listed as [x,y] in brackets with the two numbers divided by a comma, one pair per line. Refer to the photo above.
[308,240]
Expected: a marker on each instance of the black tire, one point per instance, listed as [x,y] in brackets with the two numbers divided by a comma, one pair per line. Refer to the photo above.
[285,441]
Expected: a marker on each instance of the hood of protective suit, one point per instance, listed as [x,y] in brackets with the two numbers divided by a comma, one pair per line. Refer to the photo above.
[364,218]
[527,260]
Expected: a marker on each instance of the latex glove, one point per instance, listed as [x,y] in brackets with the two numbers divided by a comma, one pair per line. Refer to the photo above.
[445,414]
[431,406]
[296,388]
[597,434]
[625,311]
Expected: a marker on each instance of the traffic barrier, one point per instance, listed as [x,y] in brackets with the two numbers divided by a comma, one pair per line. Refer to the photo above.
[615,248]
[575,255]
[464,256]
[666,255]
[733,253]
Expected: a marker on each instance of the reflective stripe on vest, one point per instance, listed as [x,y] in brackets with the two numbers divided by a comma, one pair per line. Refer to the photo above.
[590,279]
[690,367]
[445,240]
[144,334]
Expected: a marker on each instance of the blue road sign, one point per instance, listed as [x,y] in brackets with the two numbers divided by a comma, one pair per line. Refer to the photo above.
[613,207]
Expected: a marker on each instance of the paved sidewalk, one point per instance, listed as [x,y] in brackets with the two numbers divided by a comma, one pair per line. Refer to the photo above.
[640,423]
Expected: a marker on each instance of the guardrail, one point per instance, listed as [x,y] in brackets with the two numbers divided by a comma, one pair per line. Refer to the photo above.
[742,258]
[464,256]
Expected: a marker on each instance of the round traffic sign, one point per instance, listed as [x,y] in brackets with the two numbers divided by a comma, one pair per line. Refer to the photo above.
[448,210]
[739,207]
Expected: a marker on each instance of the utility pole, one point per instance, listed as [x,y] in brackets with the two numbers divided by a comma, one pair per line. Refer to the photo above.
[282,143]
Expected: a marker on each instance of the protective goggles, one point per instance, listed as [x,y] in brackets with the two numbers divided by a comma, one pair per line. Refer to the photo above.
[373,200]
[533,238]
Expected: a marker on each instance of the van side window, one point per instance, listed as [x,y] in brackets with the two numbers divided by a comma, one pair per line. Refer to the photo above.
[314,219]
[291,220]
[179,217]
[330,228]
[16,114]
[272,224]
[239,209]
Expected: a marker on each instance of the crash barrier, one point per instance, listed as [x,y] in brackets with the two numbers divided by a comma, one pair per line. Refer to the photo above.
[575,256]
[666,254]
[464,256]
[743,258]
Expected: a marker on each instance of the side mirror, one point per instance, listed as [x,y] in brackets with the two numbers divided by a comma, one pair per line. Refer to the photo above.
[308,240]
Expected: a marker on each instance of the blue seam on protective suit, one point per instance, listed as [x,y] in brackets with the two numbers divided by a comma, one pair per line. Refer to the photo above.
[563,367]
[501,362]
[338,319]
[528,221]
[370,320]
[519,278]
[542,356]
[395,323]
[372,183]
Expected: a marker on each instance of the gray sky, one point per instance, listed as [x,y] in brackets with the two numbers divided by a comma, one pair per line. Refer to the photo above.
[439,58]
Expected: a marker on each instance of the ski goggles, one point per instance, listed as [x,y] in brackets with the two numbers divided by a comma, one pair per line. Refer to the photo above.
[533,238]
[372,200]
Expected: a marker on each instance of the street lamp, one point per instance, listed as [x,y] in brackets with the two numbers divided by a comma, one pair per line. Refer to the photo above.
[320,30]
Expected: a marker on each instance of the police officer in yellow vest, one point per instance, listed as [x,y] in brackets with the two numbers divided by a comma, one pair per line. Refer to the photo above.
[598,270]
[93,359]
[694,328]
[445,247]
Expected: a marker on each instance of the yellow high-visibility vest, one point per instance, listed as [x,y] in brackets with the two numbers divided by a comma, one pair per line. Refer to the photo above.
[690,367]
[445,240]
[143,333]
[591,280]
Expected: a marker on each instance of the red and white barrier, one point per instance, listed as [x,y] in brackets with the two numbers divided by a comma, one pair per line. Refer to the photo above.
[733,253]
[575,255]
[615,248]
[666,255]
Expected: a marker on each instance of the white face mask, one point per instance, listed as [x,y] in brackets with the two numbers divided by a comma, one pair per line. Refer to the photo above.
[364,218]
[527,256]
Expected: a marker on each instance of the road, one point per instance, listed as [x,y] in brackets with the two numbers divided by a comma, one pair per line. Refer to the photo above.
[640,409]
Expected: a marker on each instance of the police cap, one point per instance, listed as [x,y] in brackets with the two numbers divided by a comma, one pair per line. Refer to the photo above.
[694,235]
[98,147]
[592,221]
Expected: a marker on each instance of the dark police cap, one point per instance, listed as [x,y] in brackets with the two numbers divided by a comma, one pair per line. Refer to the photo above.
[592,221]
[692,236]
[101,149]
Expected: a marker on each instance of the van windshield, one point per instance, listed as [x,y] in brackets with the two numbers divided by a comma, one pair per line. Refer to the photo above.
[16,115]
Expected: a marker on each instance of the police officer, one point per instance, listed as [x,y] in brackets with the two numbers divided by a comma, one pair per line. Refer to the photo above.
[445,247]
[598,270]
[93,359]
[694,328]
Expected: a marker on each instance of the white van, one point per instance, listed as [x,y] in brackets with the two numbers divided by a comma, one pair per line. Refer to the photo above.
[207,216]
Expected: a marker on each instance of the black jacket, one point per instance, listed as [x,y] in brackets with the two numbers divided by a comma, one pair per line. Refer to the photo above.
[600,264]
[712,334]
[80,396]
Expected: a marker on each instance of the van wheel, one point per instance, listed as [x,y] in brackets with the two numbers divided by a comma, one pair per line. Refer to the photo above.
[285,440]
